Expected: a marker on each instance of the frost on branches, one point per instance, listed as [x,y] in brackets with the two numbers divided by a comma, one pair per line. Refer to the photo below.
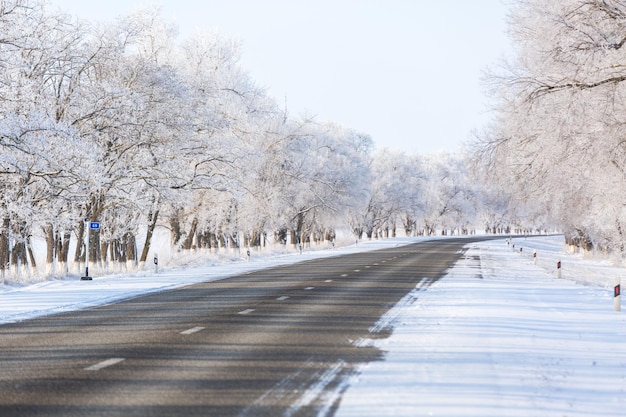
[125,124]
[558,142]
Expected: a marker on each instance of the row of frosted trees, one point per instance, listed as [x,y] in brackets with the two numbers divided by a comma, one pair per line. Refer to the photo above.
[125,124]
[558,141]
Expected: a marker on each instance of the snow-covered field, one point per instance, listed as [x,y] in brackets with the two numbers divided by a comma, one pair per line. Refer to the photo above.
[500,335]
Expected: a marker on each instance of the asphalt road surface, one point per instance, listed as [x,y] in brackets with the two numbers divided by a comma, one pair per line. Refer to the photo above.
[277,342]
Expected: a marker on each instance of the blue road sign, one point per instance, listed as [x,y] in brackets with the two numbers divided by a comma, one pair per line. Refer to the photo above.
[94,226]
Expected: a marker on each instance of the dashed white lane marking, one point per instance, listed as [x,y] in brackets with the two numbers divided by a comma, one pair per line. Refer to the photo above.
[357,270]
[248,311]
[104,364]
[329,280]
[282,298]
[309,288]
[344,275]
[192,330]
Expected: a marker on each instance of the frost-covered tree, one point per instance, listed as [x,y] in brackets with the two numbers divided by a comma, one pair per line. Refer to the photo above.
[558,139]
[447,197]
[136,134]
[396,188]
[227,117]
[317,171]
[41,164]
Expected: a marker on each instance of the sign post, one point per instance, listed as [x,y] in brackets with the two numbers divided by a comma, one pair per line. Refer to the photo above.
[92,226]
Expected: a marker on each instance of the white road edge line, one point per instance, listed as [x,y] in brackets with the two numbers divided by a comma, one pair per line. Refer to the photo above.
[104,364]
[192,330]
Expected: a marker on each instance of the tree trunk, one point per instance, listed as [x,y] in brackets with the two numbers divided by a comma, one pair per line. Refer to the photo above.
[299,230]
[94,246]
[18,257]
[31,257]
[104,249]
[64,252]
[152,220]
[114,251]
[255,239]
[51,245]
[233,242]
[131,249]
[188,242]
[4,247]
[220,237]
[80,241]
[175,229]
[213,243]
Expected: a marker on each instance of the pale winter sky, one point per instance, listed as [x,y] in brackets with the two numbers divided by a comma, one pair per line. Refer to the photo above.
[406,72]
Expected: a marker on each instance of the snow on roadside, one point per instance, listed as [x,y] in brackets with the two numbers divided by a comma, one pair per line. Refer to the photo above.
[501,336]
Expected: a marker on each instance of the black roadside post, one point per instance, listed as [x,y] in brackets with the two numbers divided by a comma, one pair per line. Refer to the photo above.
[95,226]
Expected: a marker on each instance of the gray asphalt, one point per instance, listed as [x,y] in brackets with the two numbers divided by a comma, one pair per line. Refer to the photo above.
[270,343]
